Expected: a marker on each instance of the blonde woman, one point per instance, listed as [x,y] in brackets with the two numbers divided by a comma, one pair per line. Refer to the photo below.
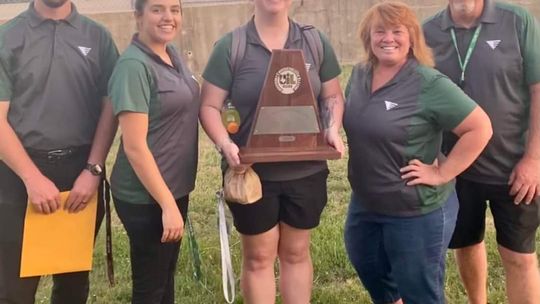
[403,207]
[294,193]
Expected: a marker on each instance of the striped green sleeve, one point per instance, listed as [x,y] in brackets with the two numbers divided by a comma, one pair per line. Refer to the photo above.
[446,104]
[130,87]
[6,83]
[530,46]
[218,70]
[330,67]
[5,80]
[109,56]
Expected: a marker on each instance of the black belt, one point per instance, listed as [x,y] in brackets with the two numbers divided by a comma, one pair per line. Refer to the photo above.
[66,153]
[57,154]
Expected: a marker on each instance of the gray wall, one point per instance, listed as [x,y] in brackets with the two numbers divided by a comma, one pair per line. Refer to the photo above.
[204,24]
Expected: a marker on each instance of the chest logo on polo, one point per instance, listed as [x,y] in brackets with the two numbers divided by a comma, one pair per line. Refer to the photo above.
[493,44]
[390,105]
[287,80]
[84,50]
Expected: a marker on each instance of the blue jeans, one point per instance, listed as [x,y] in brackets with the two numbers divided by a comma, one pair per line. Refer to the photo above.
[401,257]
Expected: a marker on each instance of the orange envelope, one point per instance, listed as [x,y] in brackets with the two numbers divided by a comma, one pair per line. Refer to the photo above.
[60,242]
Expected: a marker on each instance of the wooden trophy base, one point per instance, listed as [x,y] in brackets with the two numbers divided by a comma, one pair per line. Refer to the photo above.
[285,154]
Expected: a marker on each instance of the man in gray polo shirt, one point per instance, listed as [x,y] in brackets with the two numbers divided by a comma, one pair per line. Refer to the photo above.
[492,51]
[55,130]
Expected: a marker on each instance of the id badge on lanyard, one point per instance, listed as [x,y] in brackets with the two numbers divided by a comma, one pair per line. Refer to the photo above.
[463,63]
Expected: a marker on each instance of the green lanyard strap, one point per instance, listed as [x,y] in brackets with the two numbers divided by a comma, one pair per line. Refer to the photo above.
[194,248]
[464,63]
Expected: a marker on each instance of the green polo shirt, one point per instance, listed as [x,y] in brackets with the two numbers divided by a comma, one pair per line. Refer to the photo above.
[54,74]
[505,62]
[246,86]
[399,122]
[143,83]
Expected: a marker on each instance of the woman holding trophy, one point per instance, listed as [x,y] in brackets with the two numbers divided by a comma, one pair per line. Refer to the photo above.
[293,193]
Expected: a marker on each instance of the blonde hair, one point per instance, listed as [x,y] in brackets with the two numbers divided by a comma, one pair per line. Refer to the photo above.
[395,14]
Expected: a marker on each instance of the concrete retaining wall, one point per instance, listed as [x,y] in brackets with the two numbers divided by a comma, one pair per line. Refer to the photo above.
[204,24]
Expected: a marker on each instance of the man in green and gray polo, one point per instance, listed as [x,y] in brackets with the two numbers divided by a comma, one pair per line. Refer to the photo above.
[55,130]
[492,51]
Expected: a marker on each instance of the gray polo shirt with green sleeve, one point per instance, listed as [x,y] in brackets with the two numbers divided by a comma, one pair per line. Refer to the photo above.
[505,62]
[399,122]
[246,86]
[54,74]
[143,83]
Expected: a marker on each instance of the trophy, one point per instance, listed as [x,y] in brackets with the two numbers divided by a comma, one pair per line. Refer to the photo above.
[287,125]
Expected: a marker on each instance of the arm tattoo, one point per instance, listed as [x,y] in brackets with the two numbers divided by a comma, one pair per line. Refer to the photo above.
[327,111]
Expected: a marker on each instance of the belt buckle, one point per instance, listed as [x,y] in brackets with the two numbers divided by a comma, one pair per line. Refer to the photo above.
[58,154]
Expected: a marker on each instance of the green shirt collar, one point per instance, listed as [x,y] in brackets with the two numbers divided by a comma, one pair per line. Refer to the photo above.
[406,71]
[488,15]
[145,49]
[74,19]
[295,34]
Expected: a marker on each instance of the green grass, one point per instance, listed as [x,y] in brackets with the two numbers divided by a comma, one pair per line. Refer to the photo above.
[334,280]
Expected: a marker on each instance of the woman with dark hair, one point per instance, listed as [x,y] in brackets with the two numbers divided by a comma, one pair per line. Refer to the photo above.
[156,100]
[403,207]
[294,193]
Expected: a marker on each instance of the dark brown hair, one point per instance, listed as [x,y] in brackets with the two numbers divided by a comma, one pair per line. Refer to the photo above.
[139,5]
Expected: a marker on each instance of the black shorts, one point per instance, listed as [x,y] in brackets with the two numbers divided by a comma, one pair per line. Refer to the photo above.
[515,225]
[298,203]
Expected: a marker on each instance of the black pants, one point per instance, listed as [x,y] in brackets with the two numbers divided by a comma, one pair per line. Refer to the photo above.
[69,288]
[153,264]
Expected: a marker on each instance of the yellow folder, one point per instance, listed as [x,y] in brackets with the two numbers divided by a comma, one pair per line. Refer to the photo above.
[60,242]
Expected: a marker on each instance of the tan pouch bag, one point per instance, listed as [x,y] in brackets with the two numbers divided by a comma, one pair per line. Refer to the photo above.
[242,188]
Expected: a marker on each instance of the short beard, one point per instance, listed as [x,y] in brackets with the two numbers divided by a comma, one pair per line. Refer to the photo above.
[464,8]
[54,3]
